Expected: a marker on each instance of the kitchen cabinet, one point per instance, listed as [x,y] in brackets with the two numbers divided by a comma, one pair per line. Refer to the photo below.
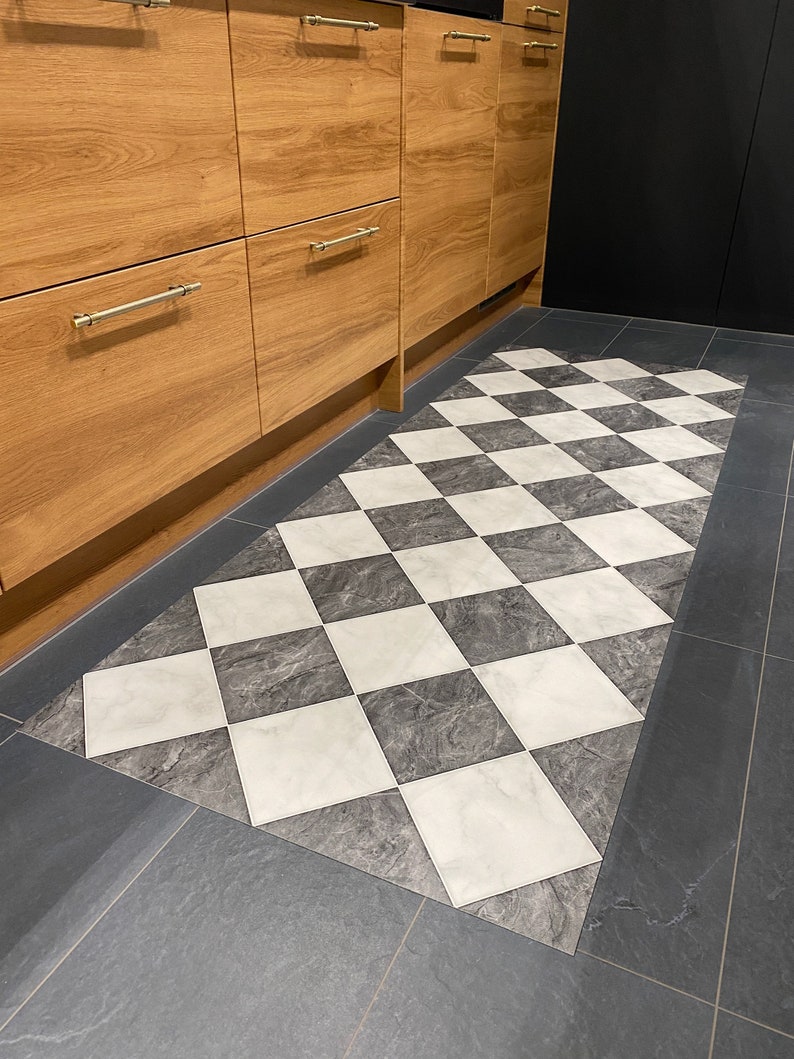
[118,137]
[101,420]
[548,16]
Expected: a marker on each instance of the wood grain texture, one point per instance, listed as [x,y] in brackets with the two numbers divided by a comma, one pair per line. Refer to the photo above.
[323,318]
[533,295]
[450,130]
[318,108]
[100,422]
[118,137]
[47,601]
[529,86]
[517,13]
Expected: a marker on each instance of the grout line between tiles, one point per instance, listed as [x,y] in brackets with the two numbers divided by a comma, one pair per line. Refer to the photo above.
[755,1022]
[382,982]
[8,717]
[101,916]
[617,336]
[645,977]
[722,643]
[247,522]
[747,775]
[708,347]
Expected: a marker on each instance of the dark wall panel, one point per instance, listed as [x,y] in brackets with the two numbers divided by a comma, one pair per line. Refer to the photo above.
[657,109]
[759,281]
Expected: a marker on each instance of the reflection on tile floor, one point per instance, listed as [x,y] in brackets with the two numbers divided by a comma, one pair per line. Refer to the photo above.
[437,668]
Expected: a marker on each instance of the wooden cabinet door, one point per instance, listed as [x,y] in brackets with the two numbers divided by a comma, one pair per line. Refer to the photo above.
[450,128]
[101,421]
[323,318]
[549,15]
[318,108]
[118,141]
[526,121]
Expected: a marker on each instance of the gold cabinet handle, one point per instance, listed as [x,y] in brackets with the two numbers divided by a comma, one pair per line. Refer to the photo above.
[179,290]
[141,3]
[318,20]
[457,35]
[360,233]
[536,9]
[540,44]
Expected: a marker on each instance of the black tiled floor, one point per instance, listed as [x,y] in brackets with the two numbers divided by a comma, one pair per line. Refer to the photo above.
[770,368]
[580,336]
[760,450]
[739,1039]
[663,347]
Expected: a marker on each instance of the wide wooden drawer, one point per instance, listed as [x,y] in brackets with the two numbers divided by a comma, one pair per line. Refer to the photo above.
[526,119]
[100,421]
[549,16]
[118,140]
[323,318]
[318,108]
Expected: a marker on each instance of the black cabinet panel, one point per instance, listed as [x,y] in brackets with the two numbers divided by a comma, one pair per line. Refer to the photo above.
[656,116]
[759,281]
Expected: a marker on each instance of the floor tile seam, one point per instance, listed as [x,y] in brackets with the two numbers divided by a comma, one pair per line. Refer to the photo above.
[645,977]
[705,351]
[749,342]
[748,772]
[755,1022]
[7,737]
[98,919]
[382,982]
[722,643]
[612,340]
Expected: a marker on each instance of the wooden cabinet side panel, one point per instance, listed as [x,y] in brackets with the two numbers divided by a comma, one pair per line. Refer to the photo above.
[102,421]
[318,109]
[450,106]
[526,122]
[118,137]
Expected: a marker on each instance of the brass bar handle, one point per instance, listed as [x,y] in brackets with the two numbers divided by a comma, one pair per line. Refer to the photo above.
[361,233]
[536,9]
[457,35]
[540,44]
[318,20]
[141,3]
[177,291]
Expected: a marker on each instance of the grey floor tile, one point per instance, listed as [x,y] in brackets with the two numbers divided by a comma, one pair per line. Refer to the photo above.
[758,980]
[7,728]
[755,336]
[702,470]
[718,433]
[604,454]
[576,336]
[623,418]
[770,368]
[671,325]
[661,899]
[418,524]
[350,589]
[759,452]
[593,318]
[729,589]
[739,1039]
[48,671]
[384,454]
[465,474]
[543,552]
[173,632]
[682,348]
[493,437]
[266,555]
[662,580]
[334,497]
[781,626]
[685,518]
[460,987]
[507,331]
[576,497]
[632,661]
[231,943]
[74,835]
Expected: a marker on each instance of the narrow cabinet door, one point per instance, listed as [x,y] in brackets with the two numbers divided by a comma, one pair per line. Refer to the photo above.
[526,121]
[318,106]
[450,128]
[118,142]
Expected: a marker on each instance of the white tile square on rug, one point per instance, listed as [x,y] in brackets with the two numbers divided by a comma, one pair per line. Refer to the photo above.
[597,604]
[553,696]
[526,359]
[455,568]
[591,395]
[699,381]
[331,538]
[253,607]
[149,702]
[442,443]
[623,537]
[567,426]
[467,411]
[537,463]
[309,758]
[499,382]
[671,443]
[501,510]
[612,370]
[683,410]
[651,483]
[385,486]
[393,647]
[496,826]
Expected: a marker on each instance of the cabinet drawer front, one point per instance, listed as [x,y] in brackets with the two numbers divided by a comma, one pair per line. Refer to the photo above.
[450,105]
[526,122]
[101,421]
[318,108]
[537,16]
[118,136]
[323,318]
